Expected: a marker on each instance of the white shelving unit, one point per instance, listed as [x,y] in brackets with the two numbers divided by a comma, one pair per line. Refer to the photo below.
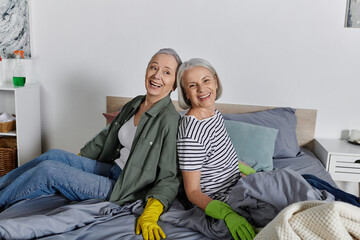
[24,102]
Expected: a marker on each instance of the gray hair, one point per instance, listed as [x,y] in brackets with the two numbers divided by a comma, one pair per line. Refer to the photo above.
[194,62]
[171,52]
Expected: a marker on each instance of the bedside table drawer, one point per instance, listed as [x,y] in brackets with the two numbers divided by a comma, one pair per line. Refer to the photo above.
[345,167]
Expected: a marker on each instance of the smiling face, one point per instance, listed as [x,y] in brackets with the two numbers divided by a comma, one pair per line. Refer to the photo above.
[200,86]
[160,76]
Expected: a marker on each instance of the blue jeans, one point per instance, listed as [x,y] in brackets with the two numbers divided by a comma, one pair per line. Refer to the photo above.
[76,177]
[338,194]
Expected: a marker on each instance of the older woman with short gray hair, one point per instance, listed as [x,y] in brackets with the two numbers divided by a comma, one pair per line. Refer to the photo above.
[195,62]
[207,158]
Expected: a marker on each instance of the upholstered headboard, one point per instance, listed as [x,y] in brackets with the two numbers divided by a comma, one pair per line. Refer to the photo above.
[306,118]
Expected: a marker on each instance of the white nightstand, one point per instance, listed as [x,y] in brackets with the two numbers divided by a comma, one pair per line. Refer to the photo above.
[340,158]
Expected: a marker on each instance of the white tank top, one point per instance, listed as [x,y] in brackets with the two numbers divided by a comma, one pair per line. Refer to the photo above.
[126,136]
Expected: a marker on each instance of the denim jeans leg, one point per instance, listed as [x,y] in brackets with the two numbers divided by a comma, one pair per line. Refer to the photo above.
[50,176]
[115,172]
[68,158]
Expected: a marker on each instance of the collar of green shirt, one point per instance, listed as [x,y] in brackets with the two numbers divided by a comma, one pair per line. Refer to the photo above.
[154,111]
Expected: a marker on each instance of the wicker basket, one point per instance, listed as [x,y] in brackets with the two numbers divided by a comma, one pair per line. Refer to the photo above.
[8,155]
[7,126]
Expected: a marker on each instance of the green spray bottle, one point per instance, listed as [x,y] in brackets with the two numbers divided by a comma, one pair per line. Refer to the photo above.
[18,78]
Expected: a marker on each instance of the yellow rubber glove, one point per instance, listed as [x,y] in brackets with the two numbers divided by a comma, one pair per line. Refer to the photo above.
[147,222]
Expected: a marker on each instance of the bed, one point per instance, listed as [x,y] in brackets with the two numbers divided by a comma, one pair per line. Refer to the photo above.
[55,217]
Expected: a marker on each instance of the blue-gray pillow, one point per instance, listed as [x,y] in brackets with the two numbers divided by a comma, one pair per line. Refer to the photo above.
[283,119]
[253,144]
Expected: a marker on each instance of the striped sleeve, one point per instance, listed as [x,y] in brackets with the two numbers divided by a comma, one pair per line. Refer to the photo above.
[191,154]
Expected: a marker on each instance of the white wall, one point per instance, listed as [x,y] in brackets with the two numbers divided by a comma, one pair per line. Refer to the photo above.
[278,53]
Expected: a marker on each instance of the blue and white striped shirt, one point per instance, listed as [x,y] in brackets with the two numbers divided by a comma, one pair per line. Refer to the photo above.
[204,145]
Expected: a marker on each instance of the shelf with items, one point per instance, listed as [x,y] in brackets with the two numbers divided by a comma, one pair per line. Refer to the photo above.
[24,103]
[7,105]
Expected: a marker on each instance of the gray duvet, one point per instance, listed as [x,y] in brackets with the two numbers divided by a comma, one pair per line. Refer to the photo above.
[258,197]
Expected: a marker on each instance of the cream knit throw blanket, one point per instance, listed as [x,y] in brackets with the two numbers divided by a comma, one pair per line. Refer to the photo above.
[314,220]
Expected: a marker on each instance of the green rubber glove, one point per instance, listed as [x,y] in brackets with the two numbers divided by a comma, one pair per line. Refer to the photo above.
[239,227]
[246,169]
[147,222]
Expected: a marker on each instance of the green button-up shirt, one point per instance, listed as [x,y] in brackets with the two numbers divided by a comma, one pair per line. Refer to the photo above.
[152,167]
